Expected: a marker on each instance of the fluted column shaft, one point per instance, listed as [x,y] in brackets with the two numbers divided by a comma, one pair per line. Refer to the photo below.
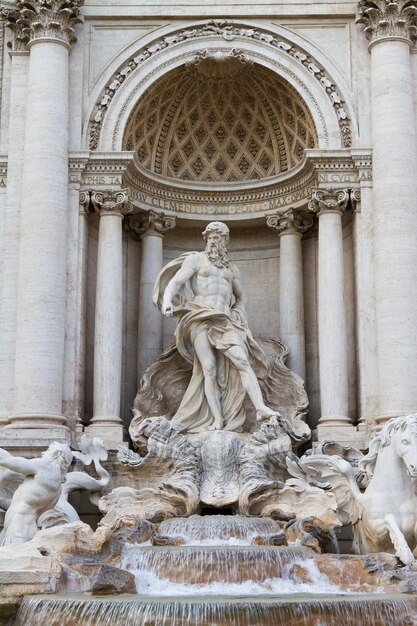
[392,29]
[106,421]
[151,228]
[291,225]
[333,346]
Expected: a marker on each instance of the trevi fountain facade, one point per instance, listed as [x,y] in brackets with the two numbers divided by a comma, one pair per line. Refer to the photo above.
[208,320]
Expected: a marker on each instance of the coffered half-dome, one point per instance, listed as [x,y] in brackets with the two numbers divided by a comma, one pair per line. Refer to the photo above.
[220,119]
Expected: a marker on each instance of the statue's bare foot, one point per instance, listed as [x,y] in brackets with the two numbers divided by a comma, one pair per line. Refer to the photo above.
[217,425]
[264,413]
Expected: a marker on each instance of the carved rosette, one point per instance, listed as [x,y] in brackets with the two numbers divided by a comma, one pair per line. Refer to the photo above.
[39,19]
[111,202]
[384,19]
[329,201]
[292,221]
[152,222]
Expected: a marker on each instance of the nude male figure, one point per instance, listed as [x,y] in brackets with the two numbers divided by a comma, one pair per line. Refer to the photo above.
[216,285]
[39,491]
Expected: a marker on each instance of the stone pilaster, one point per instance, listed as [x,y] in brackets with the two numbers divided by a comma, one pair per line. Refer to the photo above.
[291,225]
[151,228]
[106,423]
[391,28]
[19,61]
[48,27]
[333,346]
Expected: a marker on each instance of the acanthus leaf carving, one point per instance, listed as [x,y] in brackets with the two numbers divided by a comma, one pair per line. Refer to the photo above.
[55,19]
[111,202]
[388,18]
[151,221]
[329,200]
[290,221]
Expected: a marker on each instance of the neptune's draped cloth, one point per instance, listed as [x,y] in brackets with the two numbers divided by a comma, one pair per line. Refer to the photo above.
[223,332]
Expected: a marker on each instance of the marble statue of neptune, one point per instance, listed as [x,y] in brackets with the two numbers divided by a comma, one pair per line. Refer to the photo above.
[202,290]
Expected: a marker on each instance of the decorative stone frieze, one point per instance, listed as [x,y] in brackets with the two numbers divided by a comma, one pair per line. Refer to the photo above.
[290,221]
[329,201]
[111,202]
[39,19]
[386,19]
[159,223]
[229,31]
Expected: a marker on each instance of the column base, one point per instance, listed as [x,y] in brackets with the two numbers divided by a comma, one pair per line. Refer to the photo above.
[110,434]
[30,440]
[344,433]
[380,420]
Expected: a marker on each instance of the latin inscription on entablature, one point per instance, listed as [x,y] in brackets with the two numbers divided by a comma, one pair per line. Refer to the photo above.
[344,177]
[213,208]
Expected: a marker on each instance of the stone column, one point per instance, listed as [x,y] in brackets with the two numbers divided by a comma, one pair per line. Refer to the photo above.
[151,228]
[391,27]
[40,320]
[10,250]
[330,205]
[106,423]
[366,342]
[291,225]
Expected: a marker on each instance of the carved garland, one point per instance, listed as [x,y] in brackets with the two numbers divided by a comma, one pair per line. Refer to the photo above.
[229,32]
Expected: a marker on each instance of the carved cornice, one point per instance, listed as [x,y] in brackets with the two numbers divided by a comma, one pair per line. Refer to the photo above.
[111,202]
[229,31]
[39,19]
[385,19]
[329,201]
[290,222]
[152,223]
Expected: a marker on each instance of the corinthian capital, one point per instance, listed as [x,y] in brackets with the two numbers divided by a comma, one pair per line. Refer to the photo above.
[37,19]
[388,18]
[151,222]
[291,221]
[329,201]
[111,202]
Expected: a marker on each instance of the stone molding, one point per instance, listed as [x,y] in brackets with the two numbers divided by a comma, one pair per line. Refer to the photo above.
[111,202]
[32,20]
[290,222]
[229,31]
[151,223]
[388,19]
[329,201]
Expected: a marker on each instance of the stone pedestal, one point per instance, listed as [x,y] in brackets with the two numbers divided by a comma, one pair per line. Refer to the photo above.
[391,29]
[151,228]
[106,422]
[291,225]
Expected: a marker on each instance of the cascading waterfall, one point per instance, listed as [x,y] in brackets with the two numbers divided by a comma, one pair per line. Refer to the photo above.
[218,529]
[295,611]
[233,582]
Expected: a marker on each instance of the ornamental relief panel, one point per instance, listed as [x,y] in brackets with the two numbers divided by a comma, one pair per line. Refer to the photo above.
[220,119]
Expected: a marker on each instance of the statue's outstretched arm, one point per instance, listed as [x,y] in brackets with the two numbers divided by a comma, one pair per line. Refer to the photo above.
[17,463]
[186,272]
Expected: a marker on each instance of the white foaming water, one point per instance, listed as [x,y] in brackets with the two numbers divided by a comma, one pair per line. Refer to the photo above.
[148,583]
[218,530]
